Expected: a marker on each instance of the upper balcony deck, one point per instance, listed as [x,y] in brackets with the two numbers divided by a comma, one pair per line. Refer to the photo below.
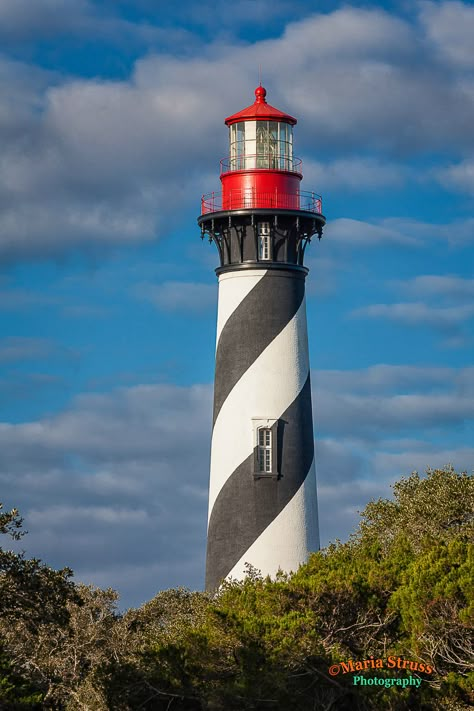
[249,198]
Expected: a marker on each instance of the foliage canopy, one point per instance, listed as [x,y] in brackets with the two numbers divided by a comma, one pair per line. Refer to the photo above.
[400,588]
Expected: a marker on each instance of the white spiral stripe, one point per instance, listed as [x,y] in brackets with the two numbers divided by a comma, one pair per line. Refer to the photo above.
[233,288]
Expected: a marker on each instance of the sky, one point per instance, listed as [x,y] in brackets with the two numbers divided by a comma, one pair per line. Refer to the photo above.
[111,127]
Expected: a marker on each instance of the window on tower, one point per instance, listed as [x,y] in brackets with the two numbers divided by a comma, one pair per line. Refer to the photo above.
[264,240]
[265,437]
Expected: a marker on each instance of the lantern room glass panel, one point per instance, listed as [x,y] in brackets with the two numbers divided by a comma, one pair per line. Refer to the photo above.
[250,144]
[237,145]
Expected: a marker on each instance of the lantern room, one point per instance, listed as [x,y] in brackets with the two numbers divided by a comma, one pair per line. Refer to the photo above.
[260,137]
[260,170]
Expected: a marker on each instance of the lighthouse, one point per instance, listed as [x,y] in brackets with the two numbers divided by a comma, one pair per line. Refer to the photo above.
[262,492]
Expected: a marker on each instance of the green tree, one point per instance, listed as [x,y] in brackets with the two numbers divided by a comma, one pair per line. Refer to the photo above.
[33,597]
[29,589]
[437,507]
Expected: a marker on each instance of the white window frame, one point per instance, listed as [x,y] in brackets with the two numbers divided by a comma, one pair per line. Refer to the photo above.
[269,466]
[264,242]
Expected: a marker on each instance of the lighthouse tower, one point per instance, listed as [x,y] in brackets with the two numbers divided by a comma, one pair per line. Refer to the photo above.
[262,495]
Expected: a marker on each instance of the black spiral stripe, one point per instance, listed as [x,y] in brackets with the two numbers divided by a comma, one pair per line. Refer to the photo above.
[241,341]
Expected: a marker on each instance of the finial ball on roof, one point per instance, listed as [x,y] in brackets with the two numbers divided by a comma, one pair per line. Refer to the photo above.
[260,94]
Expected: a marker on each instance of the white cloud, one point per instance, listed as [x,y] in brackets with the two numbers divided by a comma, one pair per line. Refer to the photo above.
[450,287]
[17,348]
[341,498]
[417,313]
[340,502]
[447,306]
[459,176]
[350,32]
[82,516]
[382,92]
[396,230]
[450,321]
[385,378]
[459,233]
[34,230]
[21,20]
[179,295]
[114,480]
[359,233]
[366,403]
[355,174]
[436,457]
[450,28]
[367,416]
[138,582]
[374,425]
[140,422]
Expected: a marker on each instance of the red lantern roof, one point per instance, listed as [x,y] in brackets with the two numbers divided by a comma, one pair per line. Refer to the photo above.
[260,111]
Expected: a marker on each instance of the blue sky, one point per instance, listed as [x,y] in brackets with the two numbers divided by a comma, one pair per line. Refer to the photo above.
[111,125]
